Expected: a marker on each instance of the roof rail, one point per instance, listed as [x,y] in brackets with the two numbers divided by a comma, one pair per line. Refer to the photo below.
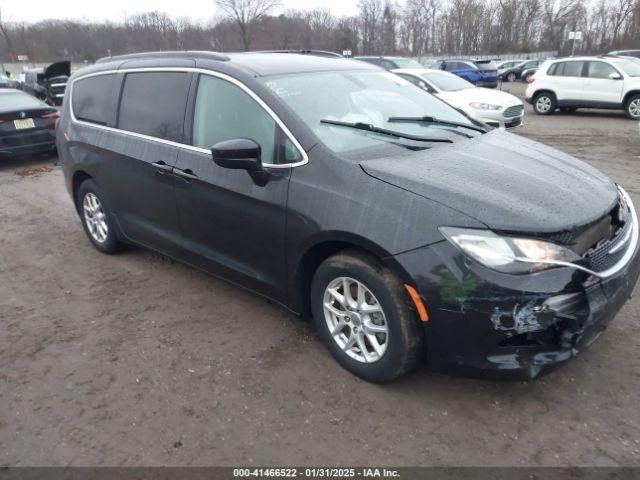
[317,53]
[168,54]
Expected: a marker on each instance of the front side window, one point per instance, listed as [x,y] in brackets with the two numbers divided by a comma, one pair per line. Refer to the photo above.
[600,70]
[92,97]
[224,111]
[361,96]
[154,103]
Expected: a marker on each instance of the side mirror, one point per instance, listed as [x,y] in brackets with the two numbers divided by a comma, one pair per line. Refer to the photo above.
[237,154]
[615,76]
[241,154]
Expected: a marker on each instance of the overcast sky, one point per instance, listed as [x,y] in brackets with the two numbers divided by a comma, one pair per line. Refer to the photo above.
[116,10]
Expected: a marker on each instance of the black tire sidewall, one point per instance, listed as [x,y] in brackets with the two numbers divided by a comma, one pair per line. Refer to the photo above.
[553,103]
[111,244]
[404,330]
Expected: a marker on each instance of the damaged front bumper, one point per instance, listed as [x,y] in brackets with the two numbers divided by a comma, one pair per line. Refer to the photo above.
[511,326]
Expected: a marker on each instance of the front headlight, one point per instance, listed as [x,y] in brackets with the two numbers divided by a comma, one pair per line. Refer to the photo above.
[508,254]
[484,106]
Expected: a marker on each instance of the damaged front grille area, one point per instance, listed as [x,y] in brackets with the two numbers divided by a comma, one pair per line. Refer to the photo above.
[605,244]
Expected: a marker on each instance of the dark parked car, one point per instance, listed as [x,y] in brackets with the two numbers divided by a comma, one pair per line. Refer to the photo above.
[48,84]
[481,73]
[626,53]
[403,227]
[390,63]
[27,125]
[520,71]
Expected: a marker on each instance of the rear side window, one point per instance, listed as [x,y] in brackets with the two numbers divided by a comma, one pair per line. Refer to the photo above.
[153,103]
[92,97]
[224,111]
[567,69]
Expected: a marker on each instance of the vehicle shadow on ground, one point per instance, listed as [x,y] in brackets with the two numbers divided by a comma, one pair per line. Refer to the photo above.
[19,163]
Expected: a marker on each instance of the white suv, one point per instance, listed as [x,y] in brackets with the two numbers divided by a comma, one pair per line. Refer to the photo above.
[586,82]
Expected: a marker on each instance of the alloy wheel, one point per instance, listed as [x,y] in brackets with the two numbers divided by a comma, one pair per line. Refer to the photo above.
[634,108]
[95,218]
[543,104]
[355,320]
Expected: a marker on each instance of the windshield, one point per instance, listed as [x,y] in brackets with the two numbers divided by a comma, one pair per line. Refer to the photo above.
[407,63]
[367,96]
[447,82]
[629,67]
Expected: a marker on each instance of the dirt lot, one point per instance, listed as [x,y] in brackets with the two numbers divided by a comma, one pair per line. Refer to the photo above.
[137,360]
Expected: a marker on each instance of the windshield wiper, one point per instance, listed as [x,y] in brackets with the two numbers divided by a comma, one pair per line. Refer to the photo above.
[367,127]
[438,121]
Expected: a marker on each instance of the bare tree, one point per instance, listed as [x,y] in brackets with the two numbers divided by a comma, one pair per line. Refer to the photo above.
[245,13]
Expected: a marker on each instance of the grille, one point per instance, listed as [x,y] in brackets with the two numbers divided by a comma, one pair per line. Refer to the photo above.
[600,257]
[514,111]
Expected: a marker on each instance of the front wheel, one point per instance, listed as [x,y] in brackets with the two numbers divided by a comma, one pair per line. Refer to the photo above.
[511,77]
[544,104]
[633,107]
[362,315]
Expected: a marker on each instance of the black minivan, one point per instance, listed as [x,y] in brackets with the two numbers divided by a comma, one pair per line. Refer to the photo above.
[407,230]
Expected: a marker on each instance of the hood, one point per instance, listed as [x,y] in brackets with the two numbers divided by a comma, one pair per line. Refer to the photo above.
[505,181]
[462,98]
[58,69]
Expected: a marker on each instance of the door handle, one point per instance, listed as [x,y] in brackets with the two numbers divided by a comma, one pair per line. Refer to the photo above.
[162,167]
[186,174]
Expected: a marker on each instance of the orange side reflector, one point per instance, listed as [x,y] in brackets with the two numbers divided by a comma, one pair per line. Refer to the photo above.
[422,311]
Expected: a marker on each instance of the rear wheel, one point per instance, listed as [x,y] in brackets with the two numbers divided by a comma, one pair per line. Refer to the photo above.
[633,107]
[96,218]
[362,315]
[544,103]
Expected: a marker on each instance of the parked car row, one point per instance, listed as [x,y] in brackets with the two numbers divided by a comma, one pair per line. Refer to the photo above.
[47,84]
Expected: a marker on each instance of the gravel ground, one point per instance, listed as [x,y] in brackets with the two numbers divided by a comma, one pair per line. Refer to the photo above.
[135,359]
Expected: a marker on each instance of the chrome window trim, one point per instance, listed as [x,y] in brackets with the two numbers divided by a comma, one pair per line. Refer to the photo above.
[633,243]
[222,76]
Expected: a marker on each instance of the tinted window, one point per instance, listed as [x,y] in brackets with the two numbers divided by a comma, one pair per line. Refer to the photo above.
[92,98]
[153,103]
[224,111]
[600,70]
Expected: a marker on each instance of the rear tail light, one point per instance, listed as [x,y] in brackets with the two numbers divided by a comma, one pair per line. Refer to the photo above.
[55,124]
[531,79]
[48,116]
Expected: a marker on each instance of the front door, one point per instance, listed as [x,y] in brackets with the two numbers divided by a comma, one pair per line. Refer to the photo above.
[232,225]
[599,87]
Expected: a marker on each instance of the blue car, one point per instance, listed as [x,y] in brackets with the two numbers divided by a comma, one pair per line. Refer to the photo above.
[481,73]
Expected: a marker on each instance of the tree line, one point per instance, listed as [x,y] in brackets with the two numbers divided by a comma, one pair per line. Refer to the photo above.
[416,28]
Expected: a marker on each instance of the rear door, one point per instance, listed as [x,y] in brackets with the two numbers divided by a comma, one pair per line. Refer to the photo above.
[140,156]
[599,87]
[232,225]
[566,80]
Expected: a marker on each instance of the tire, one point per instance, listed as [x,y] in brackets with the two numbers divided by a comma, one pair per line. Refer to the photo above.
[102,233]
[511,77]
[544,103]
[525,79]
[633,107]
[403,341]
